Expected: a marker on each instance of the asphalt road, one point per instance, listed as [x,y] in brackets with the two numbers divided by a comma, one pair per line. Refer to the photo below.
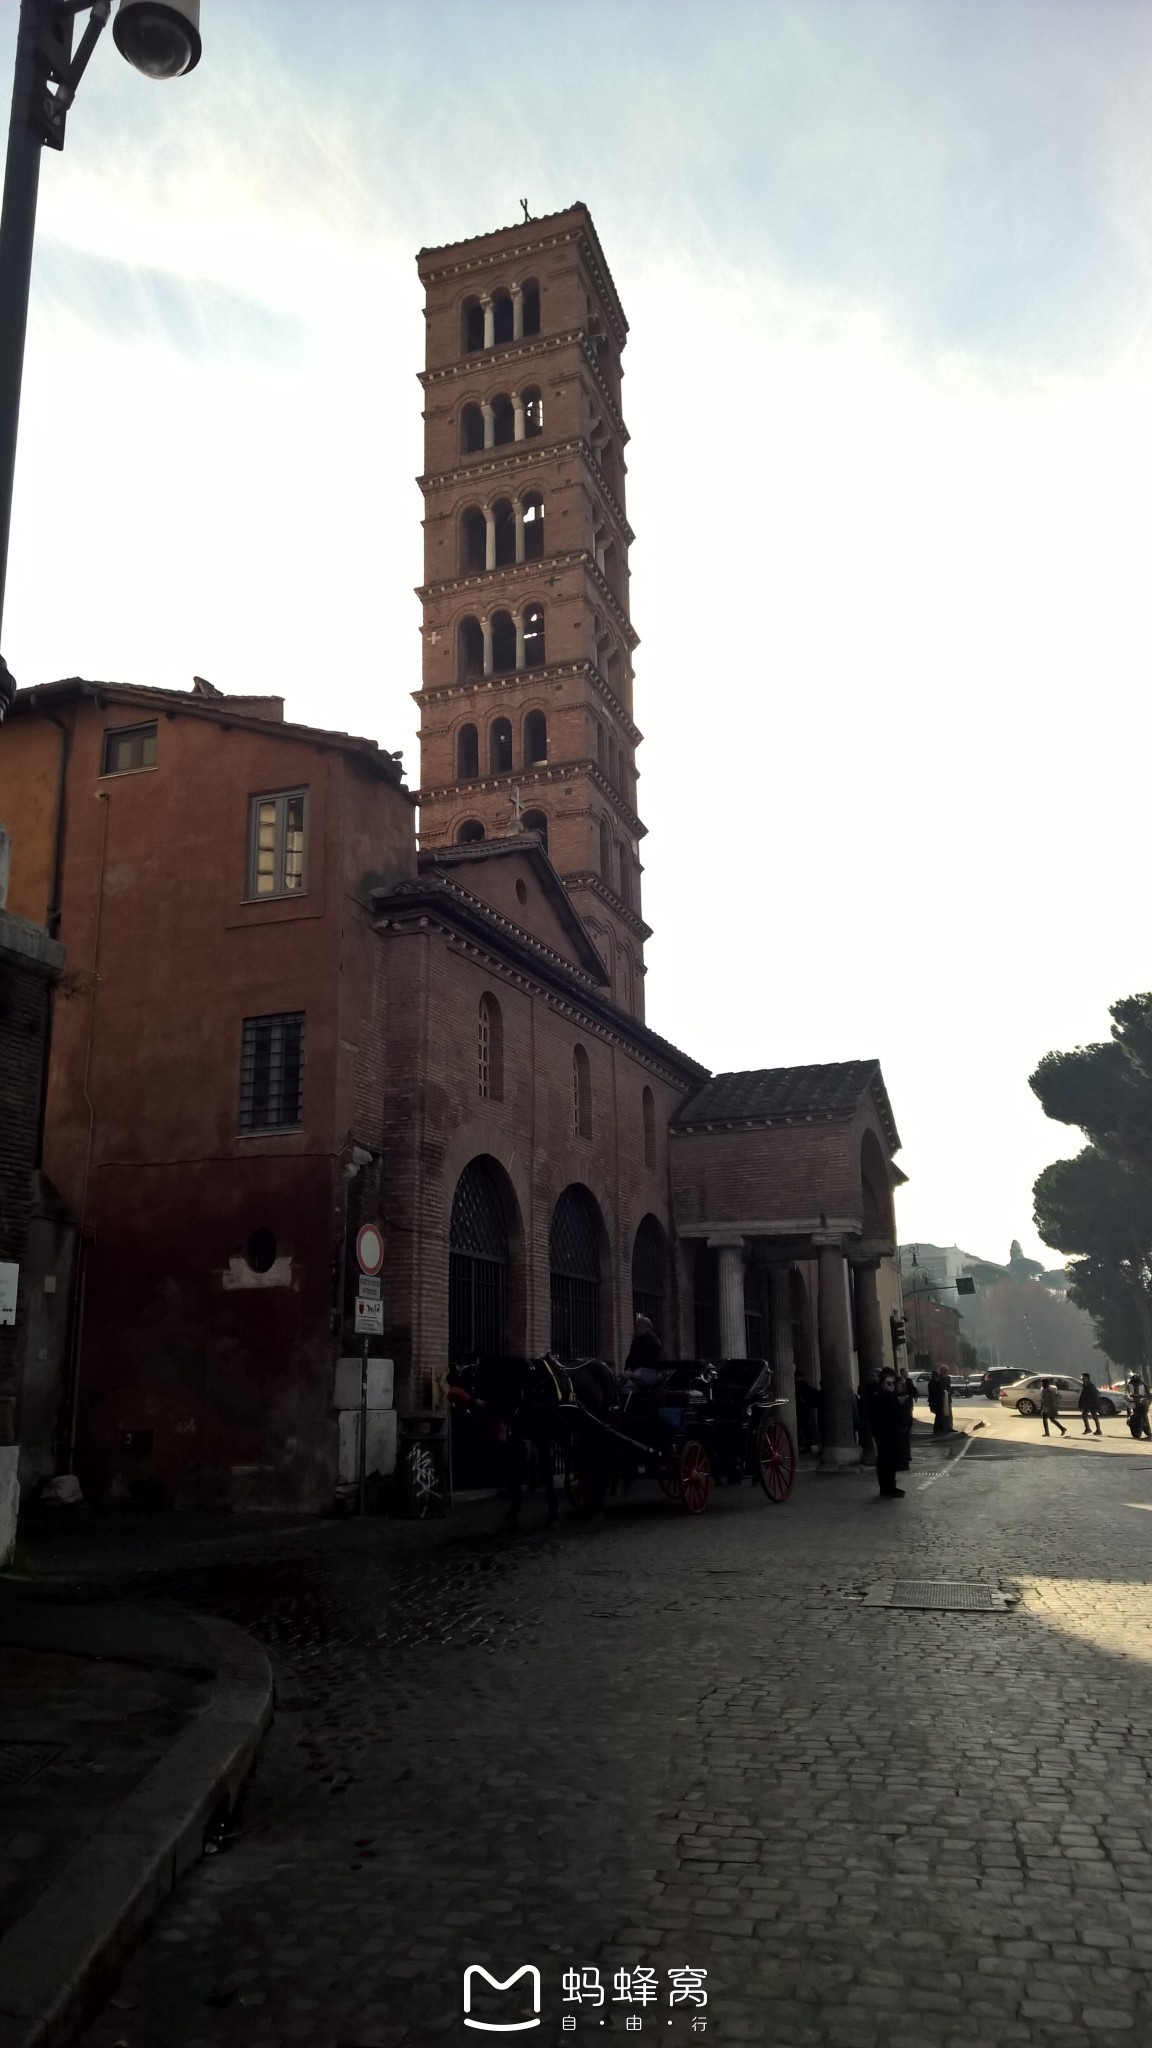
[656,1745]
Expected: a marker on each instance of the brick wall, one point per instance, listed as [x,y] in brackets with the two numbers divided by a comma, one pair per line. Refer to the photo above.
[28,964]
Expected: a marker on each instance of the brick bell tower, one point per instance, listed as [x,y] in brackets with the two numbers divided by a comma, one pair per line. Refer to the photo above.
[526,705]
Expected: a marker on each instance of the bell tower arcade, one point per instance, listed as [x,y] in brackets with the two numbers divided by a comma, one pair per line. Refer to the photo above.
[526,705]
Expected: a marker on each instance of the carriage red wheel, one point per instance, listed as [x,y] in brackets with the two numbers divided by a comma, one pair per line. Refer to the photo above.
[584,1490]
[695,1473]
[775,1460]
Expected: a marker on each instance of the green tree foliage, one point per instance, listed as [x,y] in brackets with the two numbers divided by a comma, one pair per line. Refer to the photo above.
[1098,1206]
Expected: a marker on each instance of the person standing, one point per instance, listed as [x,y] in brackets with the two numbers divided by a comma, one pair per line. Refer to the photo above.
[940,1400]
[1089,1404]
[1050,1407]
[1141,1399]
[646,1354]
[886,1415]
[906,1395]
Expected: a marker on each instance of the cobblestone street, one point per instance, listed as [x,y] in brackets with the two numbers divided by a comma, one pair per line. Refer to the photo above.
[656,1742]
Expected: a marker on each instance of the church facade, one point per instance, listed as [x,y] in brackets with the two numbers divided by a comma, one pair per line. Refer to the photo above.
[289,1013]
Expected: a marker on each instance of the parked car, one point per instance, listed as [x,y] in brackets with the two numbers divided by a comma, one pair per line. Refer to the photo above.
[1024,1394]
[996,1377]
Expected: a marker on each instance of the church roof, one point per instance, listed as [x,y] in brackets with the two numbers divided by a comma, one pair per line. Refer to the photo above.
[772,1095]
[530,847]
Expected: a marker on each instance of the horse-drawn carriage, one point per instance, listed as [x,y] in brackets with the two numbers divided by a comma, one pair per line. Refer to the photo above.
[688,1425]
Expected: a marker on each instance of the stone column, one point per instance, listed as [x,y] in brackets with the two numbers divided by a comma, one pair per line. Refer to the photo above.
[838,1442]
[869,1343]
[518,515]
[486,630]
[780,1346]
[489,419]
[730,1264]
[521,650]
[489,321]
[517,296]
[489,537]
[519,422]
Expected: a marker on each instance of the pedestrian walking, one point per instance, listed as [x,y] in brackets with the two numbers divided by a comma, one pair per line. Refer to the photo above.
[1141,1400]
[940,1400]
[886,1415]
[1089,1404]
[1050,1407]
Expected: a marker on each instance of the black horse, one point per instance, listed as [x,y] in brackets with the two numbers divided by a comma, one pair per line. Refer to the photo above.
[520,1402]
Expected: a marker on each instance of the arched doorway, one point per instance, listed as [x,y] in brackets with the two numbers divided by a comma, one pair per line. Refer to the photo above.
[477,1265]
[706,1301]
[574,1268]
[650,1273]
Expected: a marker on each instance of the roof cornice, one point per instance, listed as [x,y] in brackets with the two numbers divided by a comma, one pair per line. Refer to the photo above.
[538,776]
[514,456]
[515,678]
[580,230]
[498,579]
[536,346]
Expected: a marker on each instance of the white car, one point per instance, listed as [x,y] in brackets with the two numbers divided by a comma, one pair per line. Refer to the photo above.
[1024,1394]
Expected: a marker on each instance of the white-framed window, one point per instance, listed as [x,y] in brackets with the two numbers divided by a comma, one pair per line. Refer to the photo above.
[278,844]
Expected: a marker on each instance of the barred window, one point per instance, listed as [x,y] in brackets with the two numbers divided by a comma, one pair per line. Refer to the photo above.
[128,748]
[490,1050]
[581,1094]
[272,1072]
[277,840]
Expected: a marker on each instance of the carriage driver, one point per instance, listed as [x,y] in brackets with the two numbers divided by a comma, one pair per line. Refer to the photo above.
[645,1355]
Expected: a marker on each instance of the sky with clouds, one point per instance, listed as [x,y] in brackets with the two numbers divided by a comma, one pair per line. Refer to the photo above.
[888,268]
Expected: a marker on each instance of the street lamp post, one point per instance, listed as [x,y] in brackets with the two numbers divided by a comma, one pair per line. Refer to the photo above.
[161,38]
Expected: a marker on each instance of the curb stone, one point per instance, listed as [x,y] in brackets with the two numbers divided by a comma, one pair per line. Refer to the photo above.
[57,1961]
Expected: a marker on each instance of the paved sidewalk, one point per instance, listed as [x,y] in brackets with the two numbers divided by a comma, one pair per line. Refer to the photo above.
[652,1744]
[121,1732]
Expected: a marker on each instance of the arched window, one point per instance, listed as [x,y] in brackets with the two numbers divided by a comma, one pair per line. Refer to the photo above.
[581,1094]
[650,1272]
[627,985]
[504,420]
[535,738]
[503,643]
[535,821]
[469,832]
[490,1051]
[467,753]
[472,326]
[469,649]
[625,876]
[502,315]
[876,1189]
[534,655]
[505,520]
[601,744]
[648,1113]
[574,1270]
[477,1265]
[533,413]
[613,773]
[531,307]
[473,541]
[471,430]
[533,527]
[500,746]
[605,853]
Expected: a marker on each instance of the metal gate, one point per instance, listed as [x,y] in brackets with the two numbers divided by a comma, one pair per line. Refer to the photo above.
[477,1266]
[574,1263]
[649,1273]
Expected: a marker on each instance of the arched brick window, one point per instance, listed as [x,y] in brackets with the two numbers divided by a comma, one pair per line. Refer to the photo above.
[535,738]
[490,1050]
[536,821]
[650,1272]
[470,831]
[574,1270]
[467,753]
[477,1265]
[471,430]
[500,746]
[469,649]
[581,1094]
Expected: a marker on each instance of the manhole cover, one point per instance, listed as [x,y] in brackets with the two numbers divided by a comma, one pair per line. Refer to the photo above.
[20,1761]
[946,1593]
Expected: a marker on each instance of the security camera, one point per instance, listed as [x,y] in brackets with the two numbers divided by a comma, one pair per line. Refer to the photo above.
[161,38]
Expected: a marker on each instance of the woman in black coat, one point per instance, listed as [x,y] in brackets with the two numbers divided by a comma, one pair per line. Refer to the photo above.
[888,1422]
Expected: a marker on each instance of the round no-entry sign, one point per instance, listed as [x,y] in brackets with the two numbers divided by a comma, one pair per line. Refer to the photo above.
[369,1248]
